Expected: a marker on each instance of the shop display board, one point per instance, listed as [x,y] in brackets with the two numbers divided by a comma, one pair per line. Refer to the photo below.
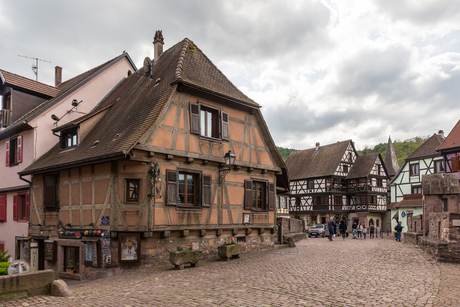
[129,247]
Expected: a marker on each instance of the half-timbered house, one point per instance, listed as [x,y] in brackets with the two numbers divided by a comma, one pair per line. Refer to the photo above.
[450,150]
[333,180]
[406,185]
[148,173]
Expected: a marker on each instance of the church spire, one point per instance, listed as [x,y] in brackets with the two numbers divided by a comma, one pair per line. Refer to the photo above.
[391,163]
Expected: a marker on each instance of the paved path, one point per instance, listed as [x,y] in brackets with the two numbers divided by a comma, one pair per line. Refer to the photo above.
[315,273]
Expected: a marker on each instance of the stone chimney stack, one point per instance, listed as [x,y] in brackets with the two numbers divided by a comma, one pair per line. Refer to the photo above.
[317,145]
[441,133]
[57,75]
[158,43]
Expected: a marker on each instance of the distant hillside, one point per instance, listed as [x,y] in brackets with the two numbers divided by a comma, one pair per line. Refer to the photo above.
[285,152]
[402,149]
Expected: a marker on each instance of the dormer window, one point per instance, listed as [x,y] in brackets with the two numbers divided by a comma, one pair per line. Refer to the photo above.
[69,138]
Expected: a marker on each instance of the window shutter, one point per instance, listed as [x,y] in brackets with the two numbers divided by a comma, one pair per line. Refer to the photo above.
[19,151]
[50,200]
[247,194]
[2,208]
[172,187]
[15,207]
[2,247]
[207,190]
[225,126]
[457,158]
[27,206]
[194,118]
[7,152]
[271,197]
[454,162]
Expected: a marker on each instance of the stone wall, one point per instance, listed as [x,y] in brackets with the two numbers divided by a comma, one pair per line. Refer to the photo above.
[289,225]
[13,287]
[443,241]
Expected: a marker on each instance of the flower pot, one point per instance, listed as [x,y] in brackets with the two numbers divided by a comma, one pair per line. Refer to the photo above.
[229,251]
[180,258]
[70,272]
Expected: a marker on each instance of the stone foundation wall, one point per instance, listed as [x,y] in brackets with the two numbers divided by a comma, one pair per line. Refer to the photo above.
[289,225]
[155,250]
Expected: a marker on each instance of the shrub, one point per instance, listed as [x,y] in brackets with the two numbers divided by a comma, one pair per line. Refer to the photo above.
[4,257]
[4,268]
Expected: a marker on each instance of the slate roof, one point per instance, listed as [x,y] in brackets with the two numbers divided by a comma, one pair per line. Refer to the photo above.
[428,148]
[135,104]
[30,85]
[310,163]
[391,163]
[453,139]
[65,88]
[363,166]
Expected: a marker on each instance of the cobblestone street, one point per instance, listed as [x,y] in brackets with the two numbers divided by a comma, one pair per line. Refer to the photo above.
[315,273]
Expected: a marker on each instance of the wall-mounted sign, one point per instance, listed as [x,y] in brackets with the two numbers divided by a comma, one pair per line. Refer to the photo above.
[70,234]
[246,218]
[403,214]
[50,250]
[105,220]
[456,223]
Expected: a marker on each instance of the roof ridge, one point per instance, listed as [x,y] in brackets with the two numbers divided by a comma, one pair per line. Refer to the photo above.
[180,62]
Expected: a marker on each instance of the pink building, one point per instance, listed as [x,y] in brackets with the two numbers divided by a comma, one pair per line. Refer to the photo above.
[30,110]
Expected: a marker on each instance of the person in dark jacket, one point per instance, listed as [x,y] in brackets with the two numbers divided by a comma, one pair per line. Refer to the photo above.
[398,229]
[330,227]
[343,229]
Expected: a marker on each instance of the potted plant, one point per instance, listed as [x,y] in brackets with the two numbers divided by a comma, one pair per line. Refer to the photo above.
[181,257]
[229,250]
[70,269]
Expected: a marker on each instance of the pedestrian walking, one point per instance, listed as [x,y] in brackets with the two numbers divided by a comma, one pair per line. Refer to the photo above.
[343,229]
[364,231]
[372,229]
[398,229]
[360,231]
[330,226]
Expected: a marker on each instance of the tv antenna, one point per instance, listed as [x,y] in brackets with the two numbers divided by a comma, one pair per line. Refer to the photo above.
[34,67]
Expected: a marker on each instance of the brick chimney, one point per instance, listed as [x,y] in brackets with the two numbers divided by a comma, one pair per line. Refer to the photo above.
[441,133]
[57,75]
[317,145]
[158,43]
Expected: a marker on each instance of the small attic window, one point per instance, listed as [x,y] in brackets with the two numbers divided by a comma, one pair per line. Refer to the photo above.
[95,143]
[69,138]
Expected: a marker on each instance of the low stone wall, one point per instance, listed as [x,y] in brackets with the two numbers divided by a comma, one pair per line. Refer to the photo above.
[16,286]
[291,228]
[412,237]
[294,236]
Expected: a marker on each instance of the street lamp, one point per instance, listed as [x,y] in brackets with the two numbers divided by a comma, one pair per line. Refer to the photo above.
[229,161]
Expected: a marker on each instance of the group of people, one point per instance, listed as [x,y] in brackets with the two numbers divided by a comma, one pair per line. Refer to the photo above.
[359,230]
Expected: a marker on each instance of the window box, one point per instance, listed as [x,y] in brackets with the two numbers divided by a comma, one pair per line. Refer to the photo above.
[229,251]
[180,258]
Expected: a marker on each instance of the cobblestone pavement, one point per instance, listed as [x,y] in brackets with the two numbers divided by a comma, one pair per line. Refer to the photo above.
[315,273]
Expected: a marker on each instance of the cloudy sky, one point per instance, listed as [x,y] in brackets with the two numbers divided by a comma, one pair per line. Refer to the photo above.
[323,71]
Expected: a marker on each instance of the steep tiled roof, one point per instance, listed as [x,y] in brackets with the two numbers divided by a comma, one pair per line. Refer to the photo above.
[391,163]
[28,84]
[453,139]
[195,67]
[363,166]
[311,163]
[65,88]
[428,148]
[137,103]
